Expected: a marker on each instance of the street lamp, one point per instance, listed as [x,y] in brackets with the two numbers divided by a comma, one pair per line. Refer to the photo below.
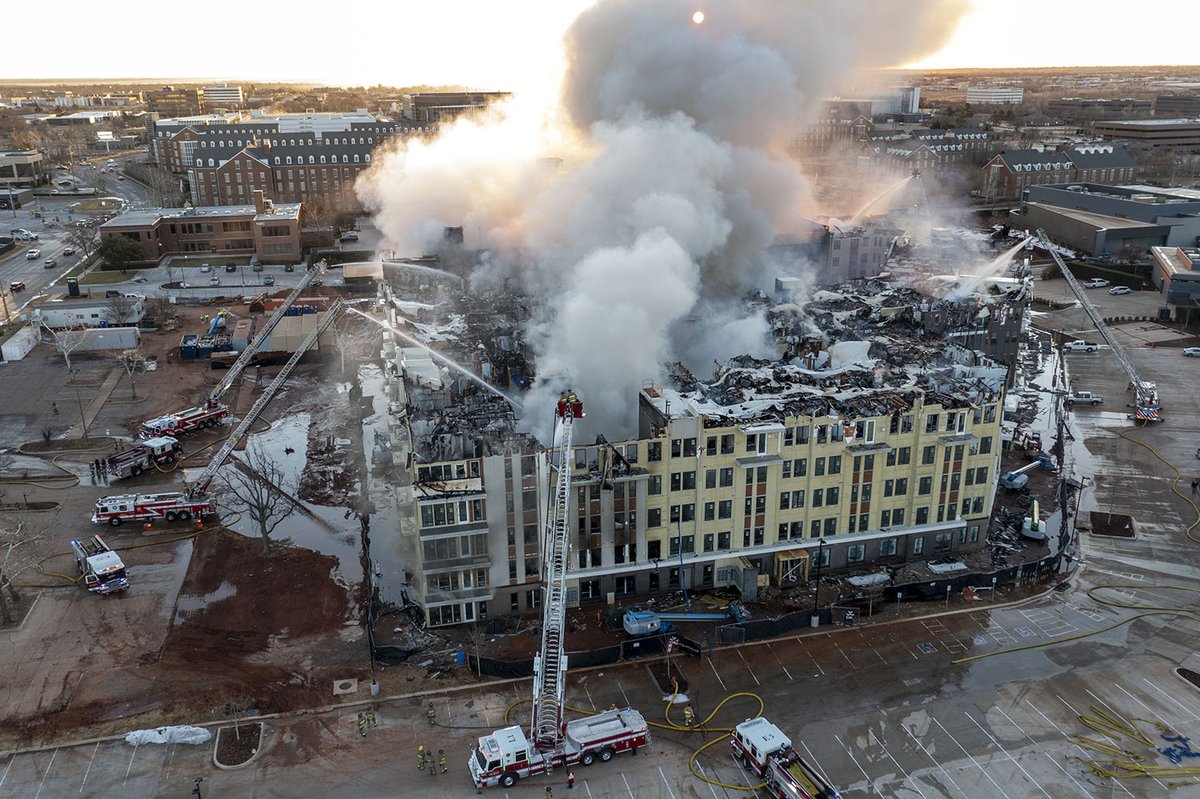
[816,619]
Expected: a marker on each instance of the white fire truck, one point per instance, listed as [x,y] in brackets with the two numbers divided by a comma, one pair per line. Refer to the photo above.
[765,751]
[506,755]
[102,569]
[119,508]
[137,459]
[185,421]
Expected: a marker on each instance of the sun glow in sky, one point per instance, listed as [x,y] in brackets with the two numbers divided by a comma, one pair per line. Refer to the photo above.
[488,44]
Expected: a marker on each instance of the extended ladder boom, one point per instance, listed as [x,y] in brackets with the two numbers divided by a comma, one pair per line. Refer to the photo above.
[210,471]
[252,348]
[550,667]
[1146,407]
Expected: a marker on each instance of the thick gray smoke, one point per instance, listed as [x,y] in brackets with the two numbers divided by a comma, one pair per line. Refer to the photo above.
[675,181]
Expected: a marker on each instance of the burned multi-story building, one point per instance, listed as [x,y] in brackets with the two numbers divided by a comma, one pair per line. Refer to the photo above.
[870,441]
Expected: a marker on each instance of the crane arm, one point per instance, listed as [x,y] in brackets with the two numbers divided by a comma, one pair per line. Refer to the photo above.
[550,667]
[210,471]
[253,347]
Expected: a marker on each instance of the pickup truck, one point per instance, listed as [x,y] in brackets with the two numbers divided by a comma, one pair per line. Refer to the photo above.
[1084,398]
[1079,345]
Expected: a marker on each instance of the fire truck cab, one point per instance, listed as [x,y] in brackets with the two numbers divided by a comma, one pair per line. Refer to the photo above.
[766,752]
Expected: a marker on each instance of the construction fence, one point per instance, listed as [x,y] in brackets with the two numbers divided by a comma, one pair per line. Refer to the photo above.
[972,583]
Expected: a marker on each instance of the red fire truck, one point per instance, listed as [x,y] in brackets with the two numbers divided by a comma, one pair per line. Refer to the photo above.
[119,508]
[506,755]
[766,752]
[185,421]
[137,459]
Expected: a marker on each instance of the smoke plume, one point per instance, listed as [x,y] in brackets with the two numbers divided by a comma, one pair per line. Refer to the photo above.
[673,137]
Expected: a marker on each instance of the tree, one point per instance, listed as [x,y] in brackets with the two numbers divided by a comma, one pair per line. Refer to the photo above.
[120,309]
[316,212]
[68,340]
[83,238]
[254,486]
[119,252]
[134,365]
[18,537]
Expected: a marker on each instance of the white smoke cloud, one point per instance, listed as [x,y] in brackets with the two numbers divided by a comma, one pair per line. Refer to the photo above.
[675,179]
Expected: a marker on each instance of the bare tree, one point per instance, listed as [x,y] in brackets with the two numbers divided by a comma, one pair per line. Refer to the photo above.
[255,487]
[68,340]
[120,308]
[134,365]
[18,537]
[83,237]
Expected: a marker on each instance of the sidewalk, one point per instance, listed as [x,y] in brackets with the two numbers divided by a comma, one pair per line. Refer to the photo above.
[97,402]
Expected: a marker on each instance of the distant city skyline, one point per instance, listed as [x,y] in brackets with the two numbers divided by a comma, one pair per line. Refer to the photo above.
[488,45]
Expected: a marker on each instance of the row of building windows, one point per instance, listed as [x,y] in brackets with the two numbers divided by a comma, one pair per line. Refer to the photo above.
[464,546]
[444,514]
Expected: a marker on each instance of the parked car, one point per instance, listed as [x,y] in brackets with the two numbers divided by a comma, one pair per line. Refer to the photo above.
[68,251]
[1079,345]
[256,266]
[214,281]
[205,268]
[33,255]
[268,280]
[50,263]
[1096,283]
[1084,398]
[16,286]
[120,177]
[289,267]
[350,235]
[230,267]
[1119,290]
[1192,352]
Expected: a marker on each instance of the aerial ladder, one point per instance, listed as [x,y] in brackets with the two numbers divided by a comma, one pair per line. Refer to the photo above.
[206,476]
[1146,408]
[260,338]
[550,666]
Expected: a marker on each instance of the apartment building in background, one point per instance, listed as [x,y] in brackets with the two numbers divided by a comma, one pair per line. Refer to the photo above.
[995,95]
[872,447]
[1011,173]
[223,96]
[170,101]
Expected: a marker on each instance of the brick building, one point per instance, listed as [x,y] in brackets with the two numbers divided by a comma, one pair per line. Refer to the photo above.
[1009,174]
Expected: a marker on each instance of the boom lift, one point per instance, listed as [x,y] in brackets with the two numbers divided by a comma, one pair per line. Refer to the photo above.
[1145,404]
[507,755]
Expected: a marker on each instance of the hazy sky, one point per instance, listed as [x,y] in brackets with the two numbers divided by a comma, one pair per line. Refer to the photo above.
[503,44]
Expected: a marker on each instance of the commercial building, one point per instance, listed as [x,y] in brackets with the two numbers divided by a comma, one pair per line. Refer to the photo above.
[995,95]
[1176,273]
[1177,132]
[265,229]
[172,102]
[1175,106]
[1011,173]
[433,108]
[21,168]
[223,96]
[1083,109]
[1096,218]
[870,443]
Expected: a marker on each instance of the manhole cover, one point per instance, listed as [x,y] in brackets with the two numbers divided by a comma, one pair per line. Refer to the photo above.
[1025,632]
[928,649]
[345,686]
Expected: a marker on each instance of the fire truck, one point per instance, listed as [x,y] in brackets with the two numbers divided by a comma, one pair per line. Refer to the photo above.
[119,508]
[506,755]
[102,569]
[186,421]
[135,460]
[766,752]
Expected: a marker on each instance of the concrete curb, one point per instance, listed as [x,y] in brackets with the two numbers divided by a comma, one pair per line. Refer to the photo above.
[257,751]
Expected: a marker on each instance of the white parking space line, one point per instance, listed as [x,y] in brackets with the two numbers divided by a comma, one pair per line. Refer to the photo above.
[631,796]
[46,774]
[907,777]
[785,668]
[93,760]
[1191,716]
[588,691]
[664,779]
[855,759]
[130,766]
[622,687]
[1007,754]
[934,760]
[816,763]
[714,669]
[4,776]
[882,659]
[847,657]
[982,770]
[820,670]
[1052,758]
[586,788]
[1083,753]
[747,665]
[711,787]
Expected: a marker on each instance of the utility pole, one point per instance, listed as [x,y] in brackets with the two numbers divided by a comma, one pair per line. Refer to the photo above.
[79,399]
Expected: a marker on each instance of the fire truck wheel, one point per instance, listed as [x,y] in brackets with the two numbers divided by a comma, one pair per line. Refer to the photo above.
[606,754]
[184,515]
[115,521]
[587,758]
[170,515]
[137,470]
[170,458]
[508,780]
[746,763]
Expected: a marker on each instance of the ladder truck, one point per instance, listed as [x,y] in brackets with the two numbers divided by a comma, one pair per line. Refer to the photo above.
[766,752]
[152,452]
[213,410]
[102,569]
[507,755]
[1146,408]
[184,505]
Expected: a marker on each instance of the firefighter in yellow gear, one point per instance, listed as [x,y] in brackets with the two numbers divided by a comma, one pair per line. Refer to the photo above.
[442,761]
[421,757]
[431,714]
[689,717]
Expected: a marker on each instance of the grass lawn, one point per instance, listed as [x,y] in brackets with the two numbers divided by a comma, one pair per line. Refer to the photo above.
[194,262]
[96,206]
[96,277]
